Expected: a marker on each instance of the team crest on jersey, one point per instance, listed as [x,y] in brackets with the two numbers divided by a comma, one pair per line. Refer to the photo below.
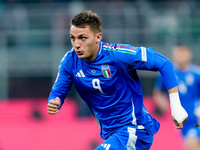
[106,71]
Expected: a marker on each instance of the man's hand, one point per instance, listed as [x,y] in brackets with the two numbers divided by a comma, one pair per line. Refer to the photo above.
[179,115]
[53,106]
[178,125]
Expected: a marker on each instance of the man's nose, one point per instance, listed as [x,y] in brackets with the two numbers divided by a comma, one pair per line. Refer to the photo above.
[77,44]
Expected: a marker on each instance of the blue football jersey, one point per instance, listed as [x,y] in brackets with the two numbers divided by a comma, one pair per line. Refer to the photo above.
[189,93]
[110,85]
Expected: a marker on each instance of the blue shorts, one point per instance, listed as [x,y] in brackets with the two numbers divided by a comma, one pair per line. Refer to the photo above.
[128,138]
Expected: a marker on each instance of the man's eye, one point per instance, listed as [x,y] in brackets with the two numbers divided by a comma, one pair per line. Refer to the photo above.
[83,38]
[72,38]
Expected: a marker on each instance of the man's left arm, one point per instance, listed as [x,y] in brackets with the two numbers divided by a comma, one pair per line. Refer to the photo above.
[165,66]
[142,58]
[151,60]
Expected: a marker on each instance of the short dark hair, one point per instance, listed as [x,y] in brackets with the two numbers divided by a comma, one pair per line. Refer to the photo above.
[87,18]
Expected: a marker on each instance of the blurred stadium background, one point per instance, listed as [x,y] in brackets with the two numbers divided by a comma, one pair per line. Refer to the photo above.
[34,36]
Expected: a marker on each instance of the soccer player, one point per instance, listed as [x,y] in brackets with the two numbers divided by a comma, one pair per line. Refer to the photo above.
[188,76]
[105,77]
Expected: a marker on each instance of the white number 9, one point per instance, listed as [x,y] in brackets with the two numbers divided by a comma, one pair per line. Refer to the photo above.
[96,84]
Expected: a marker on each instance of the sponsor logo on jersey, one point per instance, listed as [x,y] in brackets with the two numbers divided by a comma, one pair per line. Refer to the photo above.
[106,71]
[106,146]
[80,74]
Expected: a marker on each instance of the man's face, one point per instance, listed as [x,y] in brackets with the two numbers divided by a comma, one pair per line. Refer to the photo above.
[182,56]
[85,42]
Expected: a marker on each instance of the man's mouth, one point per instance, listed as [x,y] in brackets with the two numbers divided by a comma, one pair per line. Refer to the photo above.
[79,52]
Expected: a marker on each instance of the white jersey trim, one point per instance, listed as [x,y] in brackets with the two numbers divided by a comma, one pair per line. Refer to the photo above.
[144,54]
[133,114]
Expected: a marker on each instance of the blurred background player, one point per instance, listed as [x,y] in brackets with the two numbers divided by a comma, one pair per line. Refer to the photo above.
[188,76]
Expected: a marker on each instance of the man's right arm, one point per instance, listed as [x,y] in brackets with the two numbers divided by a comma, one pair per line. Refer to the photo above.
[62,85]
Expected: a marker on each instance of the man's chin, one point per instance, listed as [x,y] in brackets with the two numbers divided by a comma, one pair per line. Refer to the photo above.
[85,58]
[81,56]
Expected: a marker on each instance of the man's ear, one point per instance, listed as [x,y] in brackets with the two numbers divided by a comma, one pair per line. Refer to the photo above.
[99,37]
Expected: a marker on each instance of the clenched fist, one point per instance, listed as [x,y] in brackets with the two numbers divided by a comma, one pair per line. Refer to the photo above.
[53,106]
